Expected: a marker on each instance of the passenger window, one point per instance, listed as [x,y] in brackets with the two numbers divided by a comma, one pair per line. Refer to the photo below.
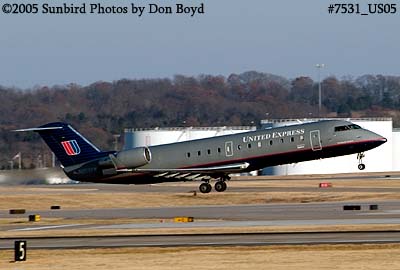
[249,145]
[259,144]
[209,151]
[292,139]
[219,150]
[239,147]
[188,155]
[199,153]
[301,138]
[281,140]
[270,142]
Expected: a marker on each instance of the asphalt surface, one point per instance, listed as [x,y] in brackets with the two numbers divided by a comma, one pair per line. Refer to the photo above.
[238,239]
[301,211]
[224,216]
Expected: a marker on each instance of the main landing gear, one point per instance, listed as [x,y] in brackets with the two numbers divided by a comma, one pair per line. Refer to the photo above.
[205,188]
[219,186]
[361,166]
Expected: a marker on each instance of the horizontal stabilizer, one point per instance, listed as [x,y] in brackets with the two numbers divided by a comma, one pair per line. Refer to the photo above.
[37,129]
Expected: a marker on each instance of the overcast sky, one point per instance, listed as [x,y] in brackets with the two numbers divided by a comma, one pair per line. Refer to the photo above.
[283,37]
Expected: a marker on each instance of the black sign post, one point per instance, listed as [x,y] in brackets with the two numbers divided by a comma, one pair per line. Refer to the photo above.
[19,251]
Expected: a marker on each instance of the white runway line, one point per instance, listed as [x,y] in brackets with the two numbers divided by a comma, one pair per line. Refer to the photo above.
[44,228]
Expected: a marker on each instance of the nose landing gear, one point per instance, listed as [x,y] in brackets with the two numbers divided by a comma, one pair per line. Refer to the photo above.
[361,166]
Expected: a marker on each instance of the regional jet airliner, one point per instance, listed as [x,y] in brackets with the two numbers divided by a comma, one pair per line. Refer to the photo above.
[206,159]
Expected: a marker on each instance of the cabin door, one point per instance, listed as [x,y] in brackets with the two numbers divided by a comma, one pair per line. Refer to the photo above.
[229,149]
[315,139]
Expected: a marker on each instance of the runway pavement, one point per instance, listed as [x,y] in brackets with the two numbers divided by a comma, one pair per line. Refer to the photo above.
[229,239]
[226,216]
[290,211]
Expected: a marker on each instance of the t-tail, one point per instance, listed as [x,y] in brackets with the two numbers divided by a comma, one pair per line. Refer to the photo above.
[69,146]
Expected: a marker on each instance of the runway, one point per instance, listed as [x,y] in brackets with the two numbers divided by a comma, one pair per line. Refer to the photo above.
[228,239]
[229,212]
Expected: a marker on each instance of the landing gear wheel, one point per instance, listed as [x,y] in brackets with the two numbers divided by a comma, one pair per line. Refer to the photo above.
[220,186]
[205,188]
[361,166]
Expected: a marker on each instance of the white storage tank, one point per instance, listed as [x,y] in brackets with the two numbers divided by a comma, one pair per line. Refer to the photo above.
[148,137]
[396,149]
[379,159]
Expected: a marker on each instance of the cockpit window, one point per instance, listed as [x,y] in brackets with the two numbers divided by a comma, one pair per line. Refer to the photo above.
[354,126]
[347,127]
[341,128]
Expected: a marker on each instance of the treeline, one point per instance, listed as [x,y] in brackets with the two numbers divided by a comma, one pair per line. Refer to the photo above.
[106,108]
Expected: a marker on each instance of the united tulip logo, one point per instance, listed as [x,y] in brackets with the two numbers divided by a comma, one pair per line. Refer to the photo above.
[71,147]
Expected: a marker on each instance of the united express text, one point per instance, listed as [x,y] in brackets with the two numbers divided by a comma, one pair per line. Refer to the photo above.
[273,135]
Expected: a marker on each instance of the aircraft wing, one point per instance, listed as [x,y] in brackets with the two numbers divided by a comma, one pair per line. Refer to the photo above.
[203,173]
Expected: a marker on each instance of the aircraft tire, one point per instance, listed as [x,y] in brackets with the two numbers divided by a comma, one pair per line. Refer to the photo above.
[220,186]
[361,166]
[205,188]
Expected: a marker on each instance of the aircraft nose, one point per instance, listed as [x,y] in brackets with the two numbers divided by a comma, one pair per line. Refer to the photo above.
[376,138]
[380,139]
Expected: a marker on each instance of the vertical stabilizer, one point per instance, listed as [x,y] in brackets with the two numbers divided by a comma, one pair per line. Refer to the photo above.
[69,146]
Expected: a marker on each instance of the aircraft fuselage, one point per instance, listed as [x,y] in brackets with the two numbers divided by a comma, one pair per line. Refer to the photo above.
[258,149]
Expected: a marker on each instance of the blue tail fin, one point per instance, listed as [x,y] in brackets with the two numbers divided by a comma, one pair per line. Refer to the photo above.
[67,144]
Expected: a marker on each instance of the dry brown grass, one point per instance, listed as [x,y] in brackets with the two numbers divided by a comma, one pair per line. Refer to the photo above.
[316,257]
[132,200]
[87,198]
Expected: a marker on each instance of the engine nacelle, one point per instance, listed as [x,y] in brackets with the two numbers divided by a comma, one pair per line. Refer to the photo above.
[134,158]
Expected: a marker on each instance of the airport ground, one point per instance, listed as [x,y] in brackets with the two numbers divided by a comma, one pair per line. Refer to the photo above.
[319,257]
[254,205]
